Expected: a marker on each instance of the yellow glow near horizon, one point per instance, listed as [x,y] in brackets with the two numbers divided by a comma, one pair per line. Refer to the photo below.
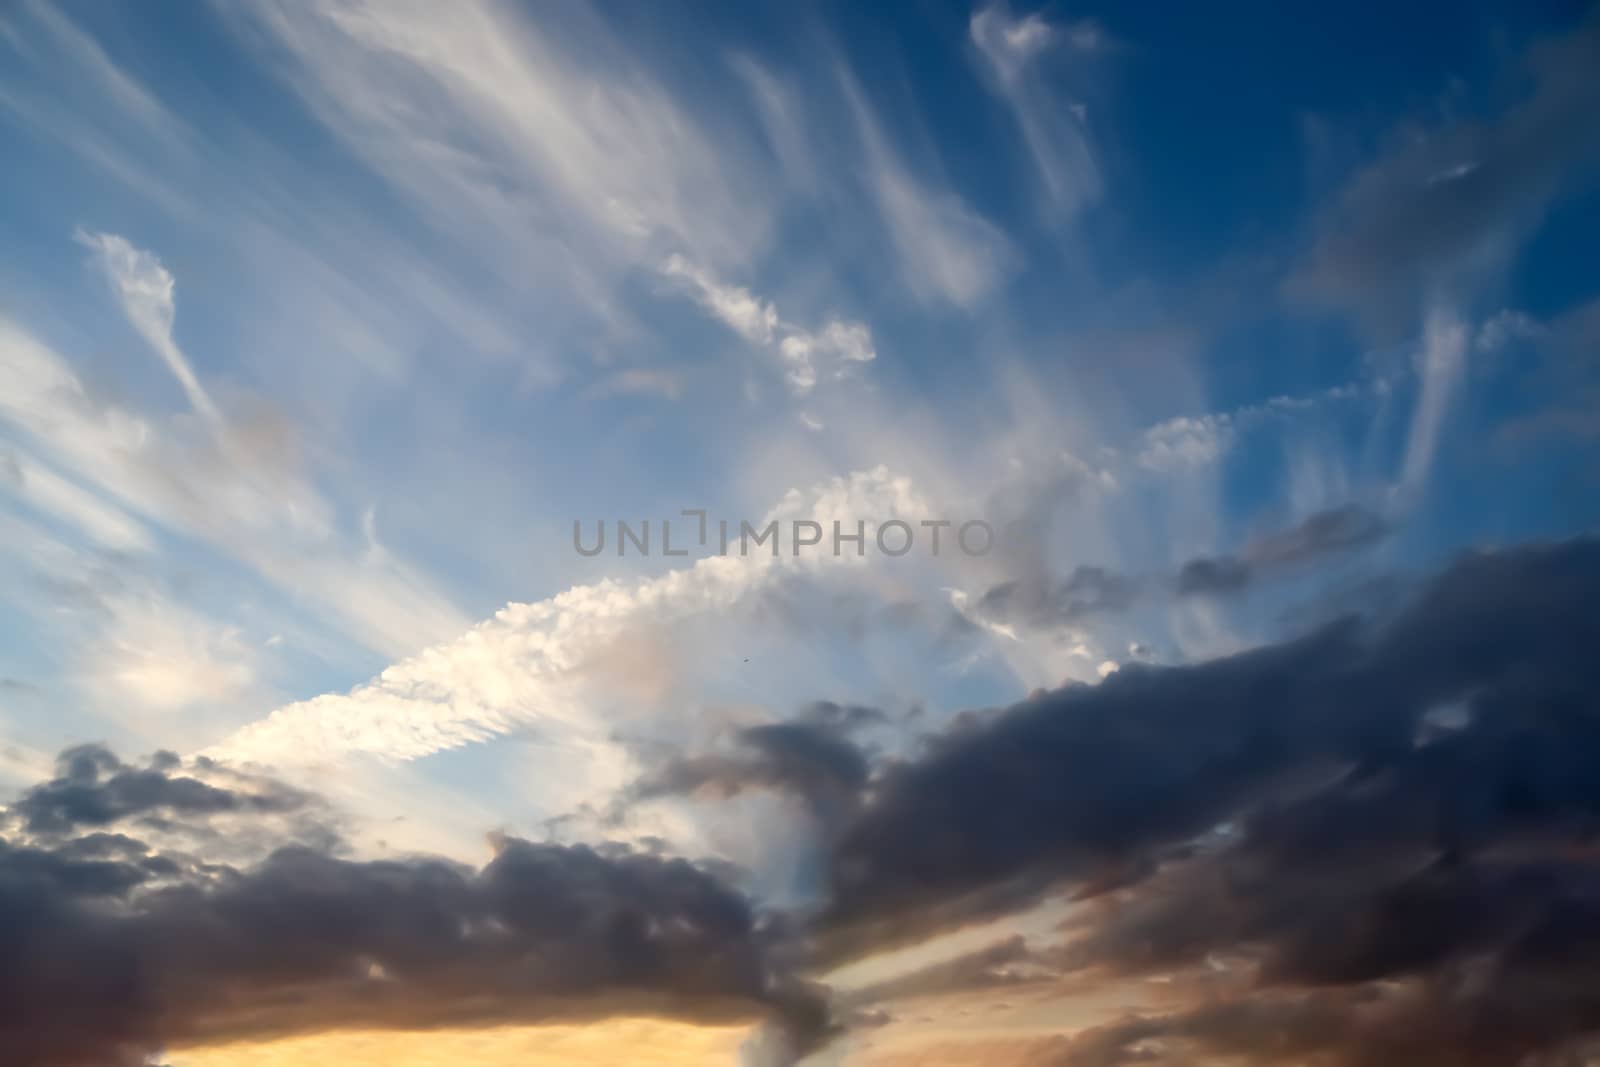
[636,1042]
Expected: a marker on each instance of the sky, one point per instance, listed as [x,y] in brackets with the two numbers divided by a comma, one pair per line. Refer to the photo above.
[817,534]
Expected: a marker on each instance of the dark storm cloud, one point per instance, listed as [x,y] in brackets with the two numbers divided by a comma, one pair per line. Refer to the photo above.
[1085,779]
[114,951]
[1377,844]
[1419,1026]
[811,758]
[1455,200]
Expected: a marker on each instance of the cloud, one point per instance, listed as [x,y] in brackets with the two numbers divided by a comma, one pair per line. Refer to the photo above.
[1088,590]
[231,487]
[146,291]
[1452,202]
[159,655]
[49,492]
[947,252]
[1068,785]
[810,760]
[1054,129]
[533,664]
[1332,531]
[1430,1027]
[1186,442]
[753,319]
[1042,602]
[1003,963]
[782,121]
[117,952]
[1441,362]
[514,131]
[1191,442]
[804,353]
[94,789]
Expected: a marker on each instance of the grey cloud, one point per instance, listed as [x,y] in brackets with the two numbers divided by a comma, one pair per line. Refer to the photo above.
[1382,834]
[1006,962]
[1086,591]
[1087,778]
[1223,574]
[1333,530]
[1325,533]
[115,952]
[811,759]
[1454,201]
[1093,590]
[1432,1024]
[95,789]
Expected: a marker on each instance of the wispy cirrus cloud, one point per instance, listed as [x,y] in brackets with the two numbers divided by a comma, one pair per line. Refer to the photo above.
[807,355]
[1055,129]
[225,488]
[947,251]
[146,291]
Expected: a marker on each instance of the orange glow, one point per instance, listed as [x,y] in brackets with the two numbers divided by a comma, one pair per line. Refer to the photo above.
[637,1042]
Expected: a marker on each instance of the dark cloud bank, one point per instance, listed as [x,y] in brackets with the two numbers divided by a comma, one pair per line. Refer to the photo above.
[114,950]
[1371,845]
[1381,836]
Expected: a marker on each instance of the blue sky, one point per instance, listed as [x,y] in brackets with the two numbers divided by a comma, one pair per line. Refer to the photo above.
[323,323]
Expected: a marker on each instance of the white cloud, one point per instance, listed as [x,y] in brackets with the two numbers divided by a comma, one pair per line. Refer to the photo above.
[779,111]
[164,657]
[534,665]
[748,316]
[145,290]
[1053,129]
[549,132]
[1440,363]
[947,251]
[132,644]
[52,494]
[228,489]
[1186,442]
[805,354]
[1505,327]
[1189,442]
